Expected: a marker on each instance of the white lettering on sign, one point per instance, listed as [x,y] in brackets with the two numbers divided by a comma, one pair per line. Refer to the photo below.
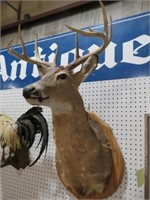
[3,68]
[131,55]
[109,56]
[23,68]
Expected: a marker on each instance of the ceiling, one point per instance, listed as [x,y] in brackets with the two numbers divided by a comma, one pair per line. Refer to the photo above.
[14,12]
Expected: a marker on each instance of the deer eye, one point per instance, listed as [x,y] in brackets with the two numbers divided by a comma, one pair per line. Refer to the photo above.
[62,76]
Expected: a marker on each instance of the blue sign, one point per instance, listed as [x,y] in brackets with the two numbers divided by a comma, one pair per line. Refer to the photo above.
[126,56]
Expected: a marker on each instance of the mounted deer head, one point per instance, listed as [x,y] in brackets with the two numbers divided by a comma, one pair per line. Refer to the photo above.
[85,156]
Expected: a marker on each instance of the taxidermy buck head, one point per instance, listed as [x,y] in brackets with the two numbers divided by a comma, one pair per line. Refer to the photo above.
[59,85]
[84,158]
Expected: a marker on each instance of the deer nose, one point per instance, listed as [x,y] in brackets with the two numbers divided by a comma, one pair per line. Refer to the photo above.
[27,92]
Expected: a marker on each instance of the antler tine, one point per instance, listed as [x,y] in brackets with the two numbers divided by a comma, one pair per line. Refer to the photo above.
[77,46]
[24,56]
[56,56]
[104,18]
[53,64]
[36,47]
[105,36]
[21,40]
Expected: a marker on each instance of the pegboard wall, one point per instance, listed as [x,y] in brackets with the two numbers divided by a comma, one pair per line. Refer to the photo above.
[121,103]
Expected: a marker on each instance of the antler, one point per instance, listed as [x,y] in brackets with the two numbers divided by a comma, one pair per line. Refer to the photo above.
[106,36]
[24,56]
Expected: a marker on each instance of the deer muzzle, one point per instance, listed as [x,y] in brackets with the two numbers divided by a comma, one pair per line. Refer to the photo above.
[32,93]
[27,91]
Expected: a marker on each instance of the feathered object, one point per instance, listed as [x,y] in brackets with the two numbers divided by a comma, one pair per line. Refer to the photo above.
[19,136]
[8,132]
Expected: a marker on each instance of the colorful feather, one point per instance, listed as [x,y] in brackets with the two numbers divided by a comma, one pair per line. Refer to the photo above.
[20,135]
[8,132]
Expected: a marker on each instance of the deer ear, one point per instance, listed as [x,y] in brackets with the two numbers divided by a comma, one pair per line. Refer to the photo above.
[89,65]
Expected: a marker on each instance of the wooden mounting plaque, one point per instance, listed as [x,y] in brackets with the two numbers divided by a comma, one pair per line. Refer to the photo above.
[118,169]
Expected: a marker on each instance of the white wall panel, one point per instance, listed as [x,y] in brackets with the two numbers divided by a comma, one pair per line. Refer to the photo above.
[121,103]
